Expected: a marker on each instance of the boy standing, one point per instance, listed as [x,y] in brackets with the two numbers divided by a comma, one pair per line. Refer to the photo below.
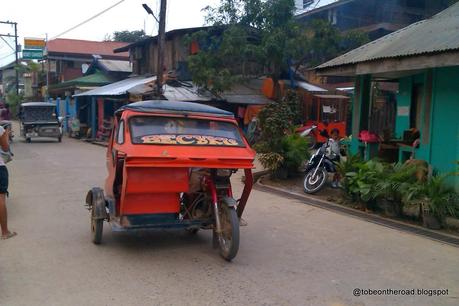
[6,233]
[333,143]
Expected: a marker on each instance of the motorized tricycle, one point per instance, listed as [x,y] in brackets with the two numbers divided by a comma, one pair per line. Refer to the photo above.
[169,166]
[39,119]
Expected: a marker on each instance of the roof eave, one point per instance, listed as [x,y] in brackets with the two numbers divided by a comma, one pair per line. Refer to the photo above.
[394,64]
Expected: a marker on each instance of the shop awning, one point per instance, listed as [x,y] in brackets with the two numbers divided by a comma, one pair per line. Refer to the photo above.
[134,85]
[93,80]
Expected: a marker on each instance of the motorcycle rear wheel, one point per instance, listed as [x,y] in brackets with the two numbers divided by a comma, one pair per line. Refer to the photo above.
[228,240]
[312,183]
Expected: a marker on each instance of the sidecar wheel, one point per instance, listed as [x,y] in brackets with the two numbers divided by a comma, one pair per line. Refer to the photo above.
[97,226]
[228,239]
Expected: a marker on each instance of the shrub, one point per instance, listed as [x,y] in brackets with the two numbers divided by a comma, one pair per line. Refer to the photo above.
[361,183]
[347,165]
[280,148]
[271,160]
[398,178]
[435,196]
[293,152]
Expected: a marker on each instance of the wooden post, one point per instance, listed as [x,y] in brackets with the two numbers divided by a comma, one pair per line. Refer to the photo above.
[93,117]
[67,113]
[161,43]
[16,52]
[58,106]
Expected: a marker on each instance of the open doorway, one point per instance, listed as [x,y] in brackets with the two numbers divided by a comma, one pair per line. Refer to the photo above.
[417,94]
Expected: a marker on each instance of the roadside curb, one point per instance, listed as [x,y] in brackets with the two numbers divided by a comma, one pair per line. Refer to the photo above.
[372,218]
[93,142]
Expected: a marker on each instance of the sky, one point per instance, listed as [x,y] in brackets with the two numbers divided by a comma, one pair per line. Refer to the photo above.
[48,18]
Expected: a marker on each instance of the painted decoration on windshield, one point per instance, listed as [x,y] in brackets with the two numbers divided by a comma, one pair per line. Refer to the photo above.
[190,140]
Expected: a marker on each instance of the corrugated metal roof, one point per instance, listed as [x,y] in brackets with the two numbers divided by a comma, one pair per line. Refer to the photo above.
[246,99]
[239,94]
[246,93]
[436,34]
[188,92]
[116,65]
[310,87]
[85,47]
[332,96]
[134,85]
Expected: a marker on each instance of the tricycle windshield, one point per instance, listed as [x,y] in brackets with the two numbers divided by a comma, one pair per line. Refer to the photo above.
[184,131]
[38,113]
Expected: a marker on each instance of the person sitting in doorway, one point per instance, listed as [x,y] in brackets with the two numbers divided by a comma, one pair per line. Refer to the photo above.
[334,154]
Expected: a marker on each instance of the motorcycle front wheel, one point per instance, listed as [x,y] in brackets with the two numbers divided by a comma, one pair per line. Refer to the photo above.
[313,183]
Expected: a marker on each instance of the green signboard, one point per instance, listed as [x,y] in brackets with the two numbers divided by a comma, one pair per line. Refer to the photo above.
[32,54]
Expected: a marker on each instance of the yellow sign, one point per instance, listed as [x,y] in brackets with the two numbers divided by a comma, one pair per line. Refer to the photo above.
[34,43]
[190,140]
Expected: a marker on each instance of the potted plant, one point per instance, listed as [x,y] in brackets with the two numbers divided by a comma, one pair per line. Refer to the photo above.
[437,200]
[391,185]
[360,184]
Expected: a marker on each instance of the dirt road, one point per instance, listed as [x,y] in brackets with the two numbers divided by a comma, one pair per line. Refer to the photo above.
[290,253]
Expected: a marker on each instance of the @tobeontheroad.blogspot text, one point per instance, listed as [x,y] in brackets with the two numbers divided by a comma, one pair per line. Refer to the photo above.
[400,292]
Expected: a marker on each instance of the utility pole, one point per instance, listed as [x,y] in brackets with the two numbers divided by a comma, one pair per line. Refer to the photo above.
[16,53]
[161,45]
[15,49]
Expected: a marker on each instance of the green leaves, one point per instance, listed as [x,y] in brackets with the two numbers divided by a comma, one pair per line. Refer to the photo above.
[294,150]
[437,197]
[128,36]
[256,38]
[277,123]
[366,181]
[278,119]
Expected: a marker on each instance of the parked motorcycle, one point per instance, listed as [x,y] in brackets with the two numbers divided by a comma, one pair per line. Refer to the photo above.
[318,167]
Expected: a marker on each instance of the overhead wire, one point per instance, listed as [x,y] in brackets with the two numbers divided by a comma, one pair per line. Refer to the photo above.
[7,55]
[89,19]
[6,42]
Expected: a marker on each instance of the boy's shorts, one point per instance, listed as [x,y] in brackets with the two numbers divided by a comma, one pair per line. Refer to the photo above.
[3,180]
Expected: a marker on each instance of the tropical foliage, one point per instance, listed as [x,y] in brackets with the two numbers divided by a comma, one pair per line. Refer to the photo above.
[261,37]
[436,196]
[280,147]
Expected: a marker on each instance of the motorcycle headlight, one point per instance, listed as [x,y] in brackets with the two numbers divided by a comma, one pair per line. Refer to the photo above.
[224,172]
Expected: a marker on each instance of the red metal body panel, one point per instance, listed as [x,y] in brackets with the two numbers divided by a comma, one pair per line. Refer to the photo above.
[149,190]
